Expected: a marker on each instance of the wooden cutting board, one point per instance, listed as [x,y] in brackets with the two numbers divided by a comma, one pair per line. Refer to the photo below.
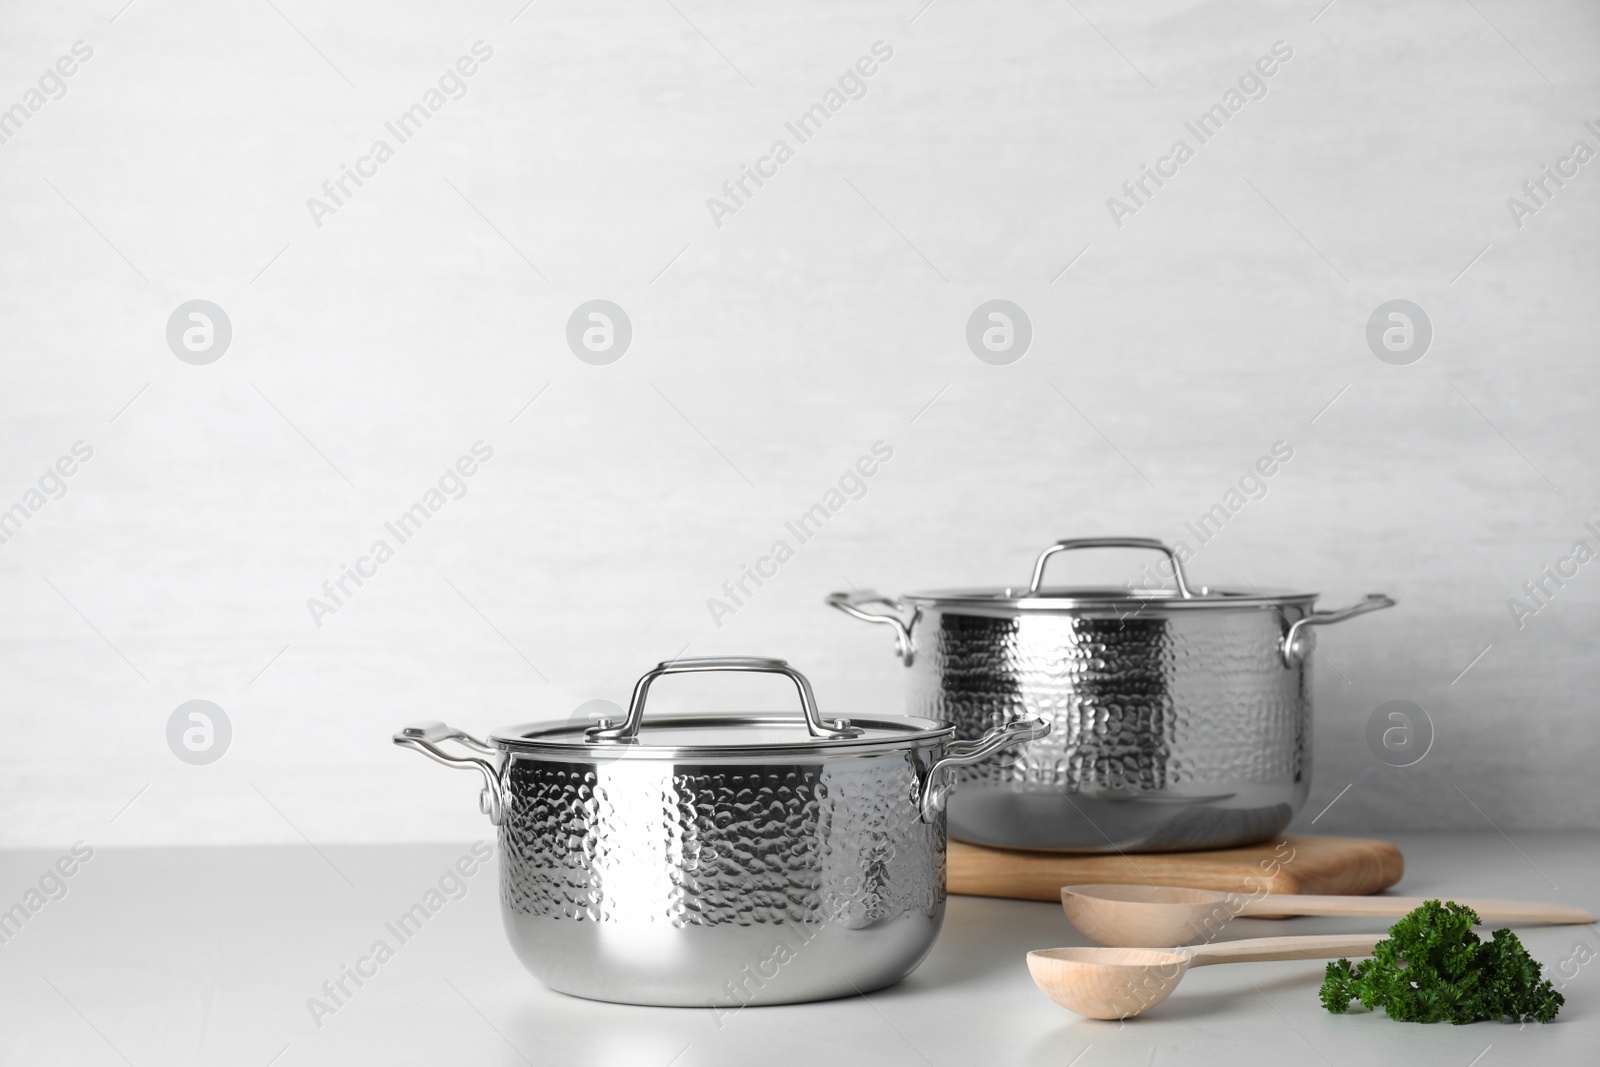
[1342,865]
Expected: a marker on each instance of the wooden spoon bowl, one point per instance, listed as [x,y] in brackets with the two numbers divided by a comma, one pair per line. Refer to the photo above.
[1147,915]
[1107,983]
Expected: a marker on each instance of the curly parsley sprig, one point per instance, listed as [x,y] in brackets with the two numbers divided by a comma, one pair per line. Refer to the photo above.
[1432,968]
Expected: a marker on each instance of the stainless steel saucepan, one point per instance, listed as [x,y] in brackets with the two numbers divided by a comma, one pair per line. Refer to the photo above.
[719,860]
[1182,717]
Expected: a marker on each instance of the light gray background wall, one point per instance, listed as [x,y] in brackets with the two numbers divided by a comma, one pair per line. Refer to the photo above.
[767,355]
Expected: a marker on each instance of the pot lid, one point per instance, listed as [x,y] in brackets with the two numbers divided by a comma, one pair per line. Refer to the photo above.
[1137,601]
[1036,596]
[717,735]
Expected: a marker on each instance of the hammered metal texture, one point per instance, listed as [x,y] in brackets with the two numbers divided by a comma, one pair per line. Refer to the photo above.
[1176,730]
[651,882]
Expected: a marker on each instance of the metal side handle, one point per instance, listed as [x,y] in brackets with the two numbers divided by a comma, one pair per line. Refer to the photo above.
[1297,643]
[854,605]
[937,786]
[429,738]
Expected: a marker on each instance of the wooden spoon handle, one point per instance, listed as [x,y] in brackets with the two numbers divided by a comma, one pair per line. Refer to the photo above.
[1259,949]
[1490,911]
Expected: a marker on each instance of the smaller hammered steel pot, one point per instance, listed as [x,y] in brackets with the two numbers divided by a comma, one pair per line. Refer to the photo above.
[1182,717]
[719,860]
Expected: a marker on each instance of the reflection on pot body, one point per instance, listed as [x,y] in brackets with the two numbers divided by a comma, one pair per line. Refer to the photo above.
[670,883]
[1183,731]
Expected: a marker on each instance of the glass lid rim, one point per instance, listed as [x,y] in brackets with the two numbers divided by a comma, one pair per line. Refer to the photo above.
[1066,595]
[568,735]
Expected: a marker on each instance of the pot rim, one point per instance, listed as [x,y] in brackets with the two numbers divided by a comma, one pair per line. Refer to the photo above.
[567,740]
[1143,601]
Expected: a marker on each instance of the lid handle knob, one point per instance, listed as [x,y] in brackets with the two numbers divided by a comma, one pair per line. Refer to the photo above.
[1110,542]
[628,729]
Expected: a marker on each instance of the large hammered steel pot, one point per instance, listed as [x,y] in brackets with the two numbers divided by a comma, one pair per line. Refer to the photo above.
[1182,717]
[719,860]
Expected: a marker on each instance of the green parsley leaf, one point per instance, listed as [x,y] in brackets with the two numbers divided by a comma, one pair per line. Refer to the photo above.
[1433,968]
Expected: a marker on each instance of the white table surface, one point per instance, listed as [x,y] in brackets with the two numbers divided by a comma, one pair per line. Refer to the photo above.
[180,956]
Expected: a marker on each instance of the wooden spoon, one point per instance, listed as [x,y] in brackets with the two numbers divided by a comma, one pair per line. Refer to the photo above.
[1157,916]
[1118,983]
